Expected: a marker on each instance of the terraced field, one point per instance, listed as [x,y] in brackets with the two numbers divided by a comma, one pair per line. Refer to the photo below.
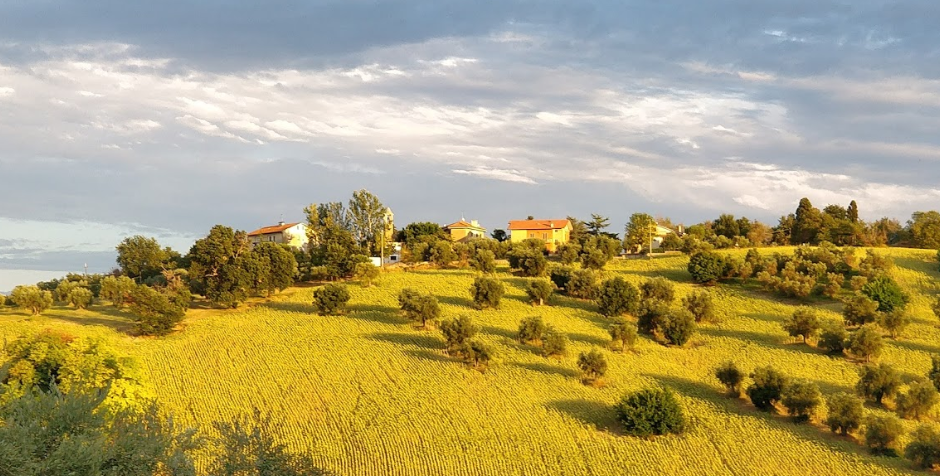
[369,395]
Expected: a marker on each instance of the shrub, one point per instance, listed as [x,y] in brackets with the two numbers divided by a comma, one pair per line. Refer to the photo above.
[593,365]
[882,434]
[31,298]
[554,343]
[865,343]
[531,262]
[569,252]
[919,400]
[156,313]
[62,291]
[878,381]
[625,333]
[658,288]
[457,332]
[887,293]
[731,377]
[894,322]
[531,329]
[487,292]
[442,253]
[767,388]
[366,273]
[678,327]
[834,282]
[421,309]
[117,290]
[802,323]
[539,291]
[856,283]
[701,305]
[651,412]
[616,297]
[3,300]
[477,354]
[801,398]
[80,297]
[582,284]
[859,310]
[651,317]
[845,413]
[331,299]
[706,267]
[833,337]
[484,261]
[924,448]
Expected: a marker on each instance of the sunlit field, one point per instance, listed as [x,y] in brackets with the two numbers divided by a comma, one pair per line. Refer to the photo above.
[368,394]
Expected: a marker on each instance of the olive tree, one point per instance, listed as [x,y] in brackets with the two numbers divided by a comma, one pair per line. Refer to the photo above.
[331,299]
[731,377]
[487,292]
[616,297]
[845,413]
[651,412]
[593,365]
[539,291]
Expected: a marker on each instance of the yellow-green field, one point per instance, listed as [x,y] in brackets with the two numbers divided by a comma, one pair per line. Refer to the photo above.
[367,394]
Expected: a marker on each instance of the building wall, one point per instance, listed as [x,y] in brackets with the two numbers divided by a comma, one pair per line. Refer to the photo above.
[552,238]
[457,234]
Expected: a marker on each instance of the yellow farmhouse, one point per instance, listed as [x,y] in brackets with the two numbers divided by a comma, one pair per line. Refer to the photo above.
[293,234]
[552,232]
[463,231]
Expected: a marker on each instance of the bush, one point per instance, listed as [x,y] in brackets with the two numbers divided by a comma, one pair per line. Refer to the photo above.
[887,293]
[882,434]
[442,253]
[706,267]
[616,297]
[117,290]
[659,289]
[678,327]
[856,283]
[593,365]
[701,305]
[651,412]
[484,261]
[80,297]
[845,413]
[457,332]
[801,398]
[625,333]
[477,354]
[487,292]
[582,284]
[651,317]
[833,337]
[366,273]
[554,343]
[31,298]
[531,329]
[569,252]
[865,343]
[878,381]
[531,262]
[802,323]
[731,377]
[156,313]
[331,299]
[560,275]
[421,309]
[539,291]
[919,400]
[834,282]
[859,310]
[924,448]
[894,322]
[767,388]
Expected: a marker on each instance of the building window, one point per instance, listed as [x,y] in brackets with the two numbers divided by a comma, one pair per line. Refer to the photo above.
[531,235]
[544,236]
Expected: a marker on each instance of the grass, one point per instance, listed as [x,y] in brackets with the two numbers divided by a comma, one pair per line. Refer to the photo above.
[367,394]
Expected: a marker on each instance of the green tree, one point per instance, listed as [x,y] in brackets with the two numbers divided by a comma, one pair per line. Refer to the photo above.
[442,253]
[833,337]
[569,252]
[801,398]
[706,267]
[367,274]
[878,381]
[593,365]
[487,292]
[478,355]
[887,293]
[882,434]
[531,262]
[701,305]
[919,400]
[333,244]
[637,232]
[80,297]
[277,267]
[539,291]
[924,228]
[651,412]
[249,447]
[597,224]
[678,327]
[767,387]
[117,290]
[582,284]
[331,299]
[217,268]
[731,377]
[421,309]
[845,413]
[531,330]
[616,297]
[31,298]
[658,288]
[727,226]
[852,212]
[156,312]
[894,322]
[865,343]
[458,332]
[924,448]
[624,333]
[804,322]
[807,223]
[859,309]
[554,343]
[366,217]
[484,261]
[140,257]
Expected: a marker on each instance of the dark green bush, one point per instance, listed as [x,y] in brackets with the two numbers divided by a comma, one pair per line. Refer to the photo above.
[331,299]
[651,412]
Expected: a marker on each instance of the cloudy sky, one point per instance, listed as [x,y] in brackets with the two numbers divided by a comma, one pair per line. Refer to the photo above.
[165,118]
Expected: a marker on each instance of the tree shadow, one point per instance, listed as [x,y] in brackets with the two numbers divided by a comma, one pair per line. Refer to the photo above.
[287,306]
[548,369]
[456,301]
[600,416]
[498,331]
[763,339]
[672,274]
[914,346]
[425,354]
[588,339]
[561,300]
[125,326]
[421,340]
[375,313]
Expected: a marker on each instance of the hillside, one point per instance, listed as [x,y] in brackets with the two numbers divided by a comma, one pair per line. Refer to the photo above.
[370,395]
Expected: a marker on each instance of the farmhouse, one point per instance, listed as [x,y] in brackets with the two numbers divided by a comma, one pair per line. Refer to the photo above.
[463,231]
[293,234]
[552,232]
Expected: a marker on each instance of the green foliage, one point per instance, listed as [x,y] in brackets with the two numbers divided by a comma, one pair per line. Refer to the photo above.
[529,261]
[157,312]
[457,332]
[804,322]
[417,232]
[924,448]
[593,365]
[651,316]
[925,229]
[659,289]
[80,297]
[894,322]
[919,400]
[678,327]
[367,273]
[442,253]
[217,266]
[560,276]
[701,305]
[878,381]
[845,413]
[882,434]
[366,216]
[865,343]
[140,257]
[637,231]
[274,267]
[934,374]
[117,290]
[554,343]
[617,296]
[569,252]
[887,293]
[483,260]
[531,330]
[582,284]
[539,291]
[833,337]
[856,283]
[936,307]
[31,298]
[624,333]
[331,299]
[421,309]
[487,292]
[597,251]
[477,354]
[65,287]
[706,267]
[731,377]
[767,387]
[859,309]
[335,240]
[802,398]
[248,447]
[651,412]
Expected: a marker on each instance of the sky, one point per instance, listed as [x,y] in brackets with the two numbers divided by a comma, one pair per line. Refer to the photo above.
[166,118]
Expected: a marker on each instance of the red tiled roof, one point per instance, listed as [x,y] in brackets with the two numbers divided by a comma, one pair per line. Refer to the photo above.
[538,224]
[462,224]
[272,229]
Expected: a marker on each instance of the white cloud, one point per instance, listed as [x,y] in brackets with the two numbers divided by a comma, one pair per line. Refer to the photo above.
[507,175]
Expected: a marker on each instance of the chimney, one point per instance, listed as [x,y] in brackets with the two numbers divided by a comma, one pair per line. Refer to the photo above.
[474,223]
[280,223]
